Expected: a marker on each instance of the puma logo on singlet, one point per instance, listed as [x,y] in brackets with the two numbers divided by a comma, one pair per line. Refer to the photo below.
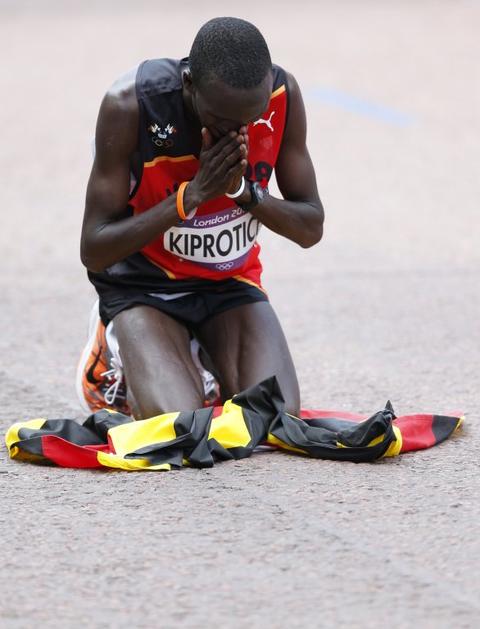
[268,122]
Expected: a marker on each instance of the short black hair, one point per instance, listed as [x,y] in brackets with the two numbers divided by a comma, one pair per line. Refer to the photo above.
[232,50]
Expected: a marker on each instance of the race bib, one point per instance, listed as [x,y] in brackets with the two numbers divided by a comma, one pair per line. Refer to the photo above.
[220,241]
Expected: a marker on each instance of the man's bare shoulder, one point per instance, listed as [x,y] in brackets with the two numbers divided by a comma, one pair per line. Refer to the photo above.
[117,124]
[120,99]
[292,83]
[296,121]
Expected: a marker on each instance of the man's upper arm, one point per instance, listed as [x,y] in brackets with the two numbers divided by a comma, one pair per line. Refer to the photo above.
[115,140]
[294,169]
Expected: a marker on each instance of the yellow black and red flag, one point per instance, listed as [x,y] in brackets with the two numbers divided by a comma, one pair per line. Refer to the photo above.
[203,437]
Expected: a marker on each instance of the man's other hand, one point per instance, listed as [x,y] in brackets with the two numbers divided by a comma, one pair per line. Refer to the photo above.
[222,165]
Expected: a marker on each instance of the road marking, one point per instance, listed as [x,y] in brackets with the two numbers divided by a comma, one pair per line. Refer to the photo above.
[359,106]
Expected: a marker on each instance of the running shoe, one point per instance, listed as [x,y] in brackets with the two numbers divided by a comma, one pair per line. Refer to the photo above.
[100,381]
[211,388]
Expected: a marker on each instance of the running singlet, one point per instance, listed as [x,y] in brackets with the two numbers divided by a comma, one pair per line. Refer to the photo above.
[220,241]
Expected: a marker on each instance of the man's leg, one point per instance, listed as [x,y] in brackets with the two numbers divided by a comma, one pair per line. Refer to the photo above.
[246,345]
[159,371]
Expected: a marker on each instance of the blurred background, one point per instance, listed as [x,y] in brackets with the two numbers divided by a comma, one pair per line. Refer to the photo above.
[392,97]
[386,306]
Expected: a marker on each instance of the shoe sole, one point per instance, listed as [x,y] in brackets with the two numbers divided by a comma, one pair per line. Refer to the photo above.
[92,334]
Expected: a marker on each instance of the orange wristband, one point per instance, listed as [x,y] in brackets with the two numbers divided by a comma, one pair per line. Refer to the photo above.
[180,195]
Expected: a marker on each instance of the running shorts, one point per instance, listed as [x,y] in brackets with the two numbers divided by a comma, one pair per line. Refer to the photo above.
[192,308]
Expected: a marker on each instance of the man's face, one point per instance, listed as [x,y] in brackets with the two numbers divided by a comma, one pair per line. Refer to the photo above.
[222,108]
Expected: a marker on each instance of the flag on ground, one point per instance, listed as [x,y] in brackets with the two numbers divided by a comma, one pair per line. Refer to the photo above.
[203,437]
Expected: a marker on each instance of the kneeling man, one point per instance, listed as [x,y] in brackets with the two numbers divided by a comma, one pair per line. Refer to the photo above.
[177,194]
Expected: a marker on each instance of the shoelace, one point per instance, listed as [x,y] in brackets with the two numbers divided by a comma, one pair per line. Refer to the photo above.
[210,387]
[115,376]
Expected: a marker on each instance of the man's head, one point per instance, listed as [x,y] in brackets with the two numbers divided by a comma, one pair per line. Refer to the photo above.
[230,77]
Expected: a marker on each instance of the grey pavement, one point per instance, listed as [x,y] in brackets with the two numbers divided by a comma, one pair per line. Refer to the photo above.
[386,307]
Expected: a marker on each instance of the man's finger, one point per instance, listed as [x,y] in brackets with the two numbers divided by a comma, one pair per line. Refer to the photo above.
[237,170]
[234,156]
[224,141]
[233,147]
[207,140]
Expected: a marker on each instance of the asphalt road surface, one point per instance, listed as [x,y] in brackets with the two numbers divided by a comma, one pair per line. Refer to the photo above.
[385,307]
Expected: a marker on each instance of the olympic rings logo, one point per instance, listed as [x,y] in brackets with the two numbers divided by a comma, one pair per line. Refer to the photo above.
[225,266]
[162,143]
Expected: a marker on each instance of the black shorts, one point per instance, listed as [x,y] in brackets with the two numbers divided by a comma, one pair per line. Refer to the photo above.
[190,307]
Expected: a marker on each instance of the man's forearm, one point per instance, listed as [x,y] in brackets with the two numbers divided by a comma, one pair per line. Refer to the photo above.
[110,242]
[300,221]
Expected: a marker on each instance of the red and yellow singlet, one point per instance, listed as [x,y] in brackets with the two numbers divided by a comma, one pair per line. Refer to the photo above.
[220,241]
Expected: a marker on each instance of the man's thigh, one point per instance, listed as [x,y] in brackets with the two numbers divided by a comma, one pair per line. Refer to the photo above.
[159,371]
[246,345]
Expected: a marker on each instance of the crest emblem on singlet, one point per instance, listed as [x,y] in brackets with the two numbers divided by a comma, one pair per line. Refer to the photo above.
[162,136]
